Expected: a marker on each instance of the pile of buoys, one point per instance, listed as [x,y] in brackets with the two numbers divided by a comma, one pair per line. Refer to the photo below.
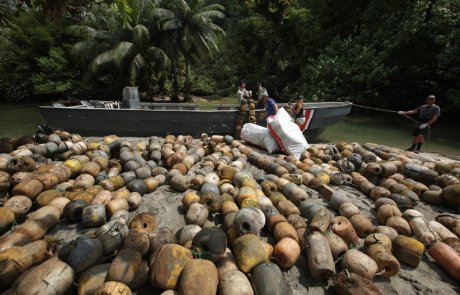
[240,118]
[233,197]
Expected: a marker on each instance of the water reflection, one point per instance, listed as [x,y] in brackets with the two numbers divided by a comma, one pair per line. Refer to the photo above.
[19,119]
[392,130]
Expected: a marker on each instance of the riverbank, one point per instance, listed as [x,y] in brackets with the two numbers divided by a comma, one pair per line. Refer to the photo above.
[159,172]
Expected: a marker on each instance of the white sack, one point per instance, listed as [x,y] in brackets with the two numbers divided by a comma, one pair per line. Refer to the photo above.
[287,134]
[259,136]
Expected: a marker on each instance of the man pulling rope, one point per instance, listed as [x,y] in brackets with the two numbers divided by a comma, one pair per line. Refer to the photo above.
[427,115]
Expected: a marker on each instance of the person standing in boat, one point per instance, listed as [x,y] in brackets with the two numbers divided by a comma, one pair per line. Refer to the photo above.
[297,110]
[242,94]
[259,91]
[271,108]
[427,114]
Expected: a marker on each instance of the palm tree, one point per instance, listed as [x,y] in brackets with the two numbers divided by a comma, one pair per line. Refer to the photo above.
[6,11]
[190,31]
[118,41]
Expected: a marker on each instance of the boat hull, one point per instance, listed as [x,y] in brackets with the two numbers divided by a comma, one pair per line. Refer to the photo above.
[149,122]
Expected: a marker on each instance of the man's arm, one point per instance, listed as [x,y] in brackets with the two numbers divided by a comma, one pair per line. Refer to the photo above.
[411,112]
[433,119]
[275,106]
[298,108]
[239,95]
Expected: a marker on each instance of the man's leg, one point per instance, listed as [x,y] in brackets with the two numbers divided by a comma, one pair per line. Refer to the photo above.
[415,139]
[414,143]
[419,142]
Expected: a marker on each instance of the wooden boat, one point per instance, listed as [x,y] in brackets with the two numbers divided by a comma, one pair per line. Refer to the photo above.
[148,119]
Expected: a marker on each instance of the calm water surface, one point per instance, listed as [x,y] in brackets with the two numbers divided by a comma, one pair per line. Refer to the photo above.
[393,130]
[19,119]
[382,128]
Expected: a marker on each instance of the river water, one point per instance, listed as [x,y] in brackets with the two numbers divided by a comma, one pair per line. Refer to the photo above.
[388,129]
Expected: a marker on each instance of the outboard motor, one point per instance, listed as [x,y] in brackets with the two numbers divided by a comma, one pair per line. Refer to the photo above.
[131,98]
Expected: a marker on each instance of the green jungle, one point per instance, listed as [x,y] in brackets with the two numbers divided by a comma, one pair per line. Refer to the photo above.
[389,54]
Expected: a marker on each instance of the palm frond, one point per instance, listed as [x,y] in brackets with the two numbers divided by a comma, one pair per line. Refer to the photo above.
[136,65]
[104,36]
[102,63]
[141,36]
[211,14]
[217,29]
[159,57]
[211,7]
[123,52]
[171,24]
[162,13]
[82,49]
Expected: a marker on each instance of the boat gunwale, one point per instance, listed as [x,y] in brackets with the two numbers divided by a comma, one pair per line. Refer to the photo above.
[306,106]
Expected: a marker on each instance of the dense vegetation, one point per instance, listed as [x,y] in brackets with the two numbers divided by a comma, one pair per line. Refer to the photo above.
[389,53]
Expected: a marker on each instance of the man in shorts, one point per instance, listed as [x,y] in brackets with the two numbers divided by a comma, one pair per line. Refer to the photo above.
[427,114]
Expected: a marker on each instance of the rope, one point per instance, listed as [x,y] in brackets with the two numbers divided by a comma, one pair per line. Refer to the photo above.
[385,110]
[197,254]
[13,226]
[375,109]
[339,259]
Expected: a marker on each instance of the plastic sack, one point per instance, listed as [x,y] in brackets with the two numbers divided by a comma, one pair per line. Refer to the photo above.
[259,136]
[287,134]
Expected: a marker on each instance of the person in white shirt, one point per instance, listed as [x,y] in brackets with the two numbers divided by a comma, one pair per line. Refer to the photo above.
[242,94]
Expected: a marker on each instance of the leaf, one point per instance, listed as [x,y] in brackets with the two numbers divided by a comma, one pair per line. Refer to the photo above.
[141,36]
[158,56]
[162,13]
[79,31]
[137,64]
[102,63]
[82,49]
[122,53]
[171,24]
[211,14]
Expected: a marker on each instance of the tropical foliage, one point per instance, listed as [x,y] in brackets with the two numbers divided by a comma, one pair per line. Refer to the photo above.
[190,31]
[120,42]
[386,53]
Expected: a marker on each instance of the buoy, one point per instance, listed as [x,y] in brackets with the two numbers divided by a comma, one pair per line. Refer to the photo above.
[447,258]
[249,252]
[209,243]
[125,266]
[319,256]
[81,253]
[267,278]
[358,262]
[167,265]
[198,277]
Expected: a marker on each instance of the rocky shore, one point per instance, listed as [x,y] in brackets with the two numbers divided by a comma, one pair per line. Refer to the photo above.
[101,211]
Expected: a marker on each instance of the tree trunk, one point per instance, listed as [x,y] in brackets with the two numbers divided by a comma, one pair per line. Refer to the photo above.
[188,97]
[175,96]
